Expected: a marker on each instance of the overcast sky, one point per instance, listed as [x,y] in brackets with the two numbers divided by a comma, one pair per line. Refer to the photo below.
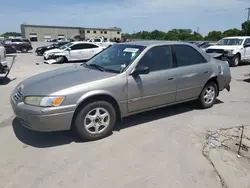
[130,15]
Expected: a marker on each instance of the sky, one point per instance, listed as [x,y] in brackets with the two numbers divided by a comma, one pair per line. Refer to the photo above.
[130,15]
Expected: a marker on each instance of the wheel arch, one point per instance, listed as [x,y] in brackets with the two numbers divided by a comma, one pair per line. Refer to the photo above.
[239,54]
[88,98]
[215,80]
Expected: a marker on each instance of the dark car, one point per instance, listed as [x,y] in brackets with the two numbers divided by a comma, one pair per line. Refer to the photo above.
[22,45]
[42,49]
[8,48]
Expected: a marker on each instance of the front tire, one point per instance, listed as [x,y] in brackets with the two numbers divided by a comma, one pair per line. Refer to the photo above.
[235,61]
[61,59]
[95,121]
[208,95]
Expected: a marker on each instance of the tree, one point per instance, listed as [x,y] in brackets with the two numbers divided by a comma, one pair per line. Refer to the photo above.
[171,35]
[157,35]
[189,35]
[214,36]
[232,32]
[246,27]
[11,34]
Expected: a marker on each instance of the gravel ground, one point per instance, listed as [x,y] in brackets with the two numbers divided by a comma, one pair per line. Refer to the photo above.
[161,148]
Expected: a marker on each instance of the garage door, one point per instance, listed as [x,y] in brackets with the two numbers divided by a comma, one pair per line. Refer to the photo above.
[47,37]
[33,36]
[61,37]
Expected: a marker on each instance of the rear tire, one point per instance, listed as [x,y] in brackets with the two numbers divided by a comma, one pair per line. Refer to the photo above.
[235,61]
[95,121]
[24,49]
[208,95]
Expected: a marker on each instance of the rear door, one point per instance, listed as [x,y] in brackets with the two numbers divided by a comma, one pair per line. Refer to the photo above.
[90,50]
[192,73]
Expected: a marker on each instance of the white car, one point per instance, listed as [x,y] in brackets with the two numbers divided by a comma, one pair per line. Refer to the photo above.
[234,49]
[73,51]
[3,60]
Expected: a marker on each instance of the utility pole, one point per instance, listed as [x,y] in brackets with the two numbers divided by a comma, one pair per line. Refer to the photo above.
[248,17]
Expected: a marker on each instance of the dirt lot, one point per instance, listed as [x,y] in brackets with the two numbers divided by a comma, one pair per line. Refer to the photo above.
[161,148]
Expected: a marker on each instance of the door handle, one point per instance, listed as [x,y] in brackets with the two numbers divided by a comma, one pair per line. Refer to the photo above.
[206,72]
[171,79]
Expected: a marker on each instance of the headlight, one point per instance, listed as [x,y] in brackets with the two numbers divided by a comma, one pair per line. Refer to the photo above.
[48,101]
[230,52]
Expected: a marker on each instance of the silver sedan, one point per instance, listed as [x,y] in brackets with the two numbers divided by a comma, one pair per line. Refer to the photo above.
[125,79]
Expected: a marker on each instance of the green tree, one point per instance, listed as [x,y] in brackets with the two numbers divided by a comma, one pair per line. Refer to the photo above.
[157,35]
[232,32]
[245,27]
[214,36]
[172,35]
[11,34]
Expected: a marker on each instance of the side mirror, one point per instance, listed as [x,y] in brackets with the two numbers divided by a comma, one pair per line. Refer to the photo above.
[246,45]
[140,70]
[68,49]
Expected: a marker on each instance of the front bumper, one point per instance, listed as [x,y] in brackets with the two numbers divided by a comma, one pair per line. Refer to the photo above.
[43,119]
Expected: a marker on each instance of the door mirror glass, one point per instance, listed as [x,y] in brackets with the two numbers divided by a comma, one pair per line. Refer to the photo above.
[140,70]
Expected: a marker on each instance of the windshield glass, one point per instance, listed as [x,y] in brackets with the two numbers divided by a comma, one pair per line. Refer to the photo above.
[116,58]
[65,46]
[231,41]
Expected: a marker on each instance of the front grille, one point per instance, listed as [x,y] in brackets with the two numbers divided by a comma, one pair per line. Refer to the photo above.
[17,95]
[215,51]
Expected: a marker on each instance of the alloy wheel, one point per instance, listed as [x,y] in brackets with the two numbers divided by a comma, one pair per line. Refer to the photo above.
[97,120]
[209,95]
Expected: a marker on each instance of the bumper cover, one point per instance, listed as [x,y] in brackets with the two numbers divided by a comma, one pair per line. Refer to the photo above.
[36,119]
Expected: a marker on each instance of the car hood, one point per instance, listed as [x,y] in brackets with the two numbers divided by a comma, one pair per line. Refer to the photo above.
[53,51]
[63,78]
[224,47]
[43,46]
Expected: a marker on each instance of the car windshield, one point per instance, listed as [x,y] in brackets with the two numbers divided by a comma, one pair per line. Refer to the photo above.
[65,46]
[230,41]
[116,58]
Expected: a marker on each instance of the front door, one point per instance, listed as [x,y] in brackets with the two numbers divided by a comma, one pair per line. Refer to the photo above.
[156,88]
[246,50]
[75,53]
[192,73]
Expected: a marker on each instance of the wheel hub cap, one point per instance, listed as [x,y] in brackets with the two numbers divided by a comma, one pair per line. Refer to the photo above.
[97,120]
[209,95]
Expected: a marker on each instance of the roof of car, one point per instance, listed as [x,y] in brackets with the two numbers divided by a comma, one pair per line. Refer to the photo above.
[238,37]
[153,42]
[83,42]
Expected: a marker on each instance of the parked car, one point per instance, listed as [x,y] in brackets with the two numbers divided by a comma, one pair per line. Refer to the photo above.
[73,51]
[8,48]
[23,45]
[101,41]
[234,49]
[3,60]
[40,50]
[125,79]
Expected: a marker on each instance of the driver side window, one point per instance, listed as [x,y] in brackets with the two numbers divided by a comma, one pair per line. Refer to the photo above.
[247,41]
[157,58]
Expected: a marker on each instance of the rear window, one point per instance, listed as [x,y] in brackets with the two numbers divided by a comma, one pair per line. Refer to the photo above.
[26,40]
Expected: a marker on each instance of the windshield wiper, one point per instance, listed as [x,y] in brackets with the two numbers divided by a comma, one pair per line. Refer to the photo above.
[96,67]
